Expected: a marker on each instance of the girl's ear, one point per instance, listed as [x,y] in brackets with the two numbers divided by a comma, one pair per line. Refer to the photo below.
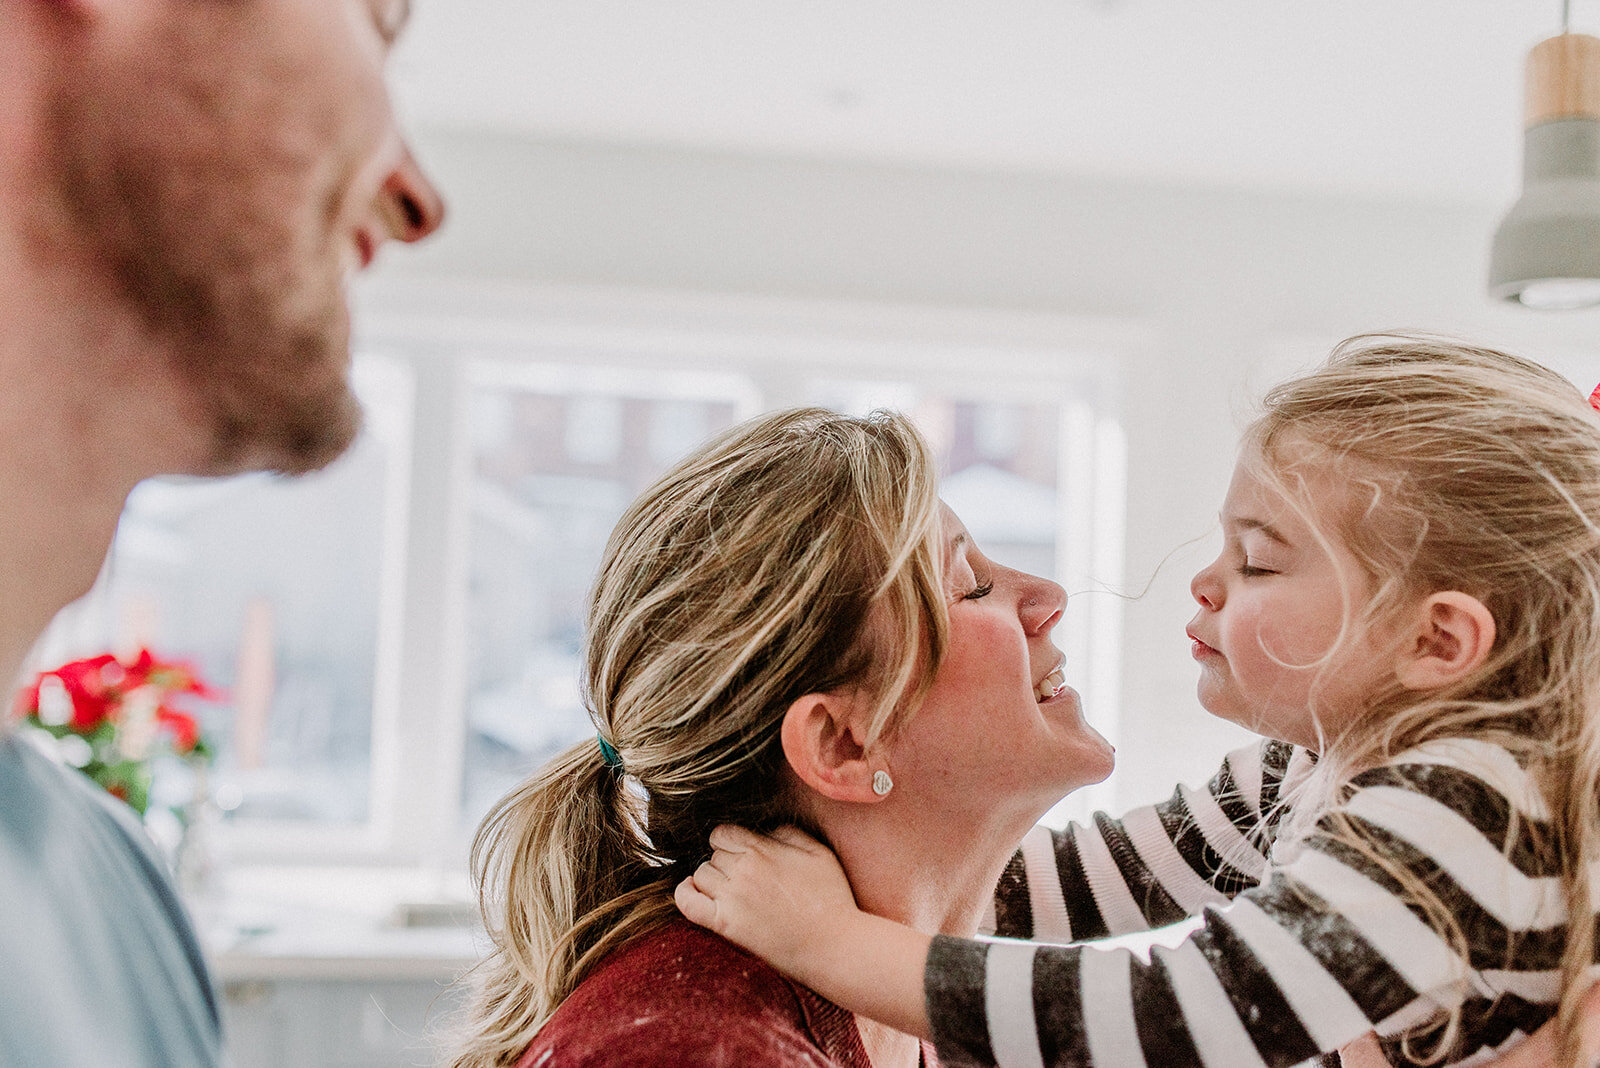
[821,739]
[1452,638]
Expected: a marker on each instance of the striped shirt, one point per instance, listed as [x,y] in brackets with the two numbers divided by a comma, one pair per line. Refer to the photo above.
[1306,943]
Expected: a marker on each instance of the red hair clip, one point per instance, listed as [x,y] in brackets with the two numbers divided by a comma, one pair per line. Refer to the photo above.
[1594,399]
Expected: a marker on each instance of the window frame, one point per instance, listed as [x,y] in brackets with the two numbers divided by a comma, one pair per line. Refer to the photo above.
[441,331]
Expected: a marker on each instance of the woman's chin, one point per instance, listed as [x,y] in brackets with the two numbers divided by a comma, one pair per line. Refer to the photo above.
[1089,760]
[1107,760]
[1092,758]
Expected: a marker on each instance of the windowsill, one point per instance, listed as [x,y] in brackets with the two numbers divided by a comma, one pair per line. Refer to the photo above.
[363,924]
[338,924]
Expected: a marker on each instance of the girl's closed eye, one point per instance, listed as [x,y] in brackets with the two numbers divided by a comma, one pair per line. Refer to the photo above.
[1249,570]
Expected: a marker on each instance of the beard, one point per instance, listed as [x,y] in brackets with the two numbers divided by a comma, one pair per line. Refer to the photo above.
[218,231]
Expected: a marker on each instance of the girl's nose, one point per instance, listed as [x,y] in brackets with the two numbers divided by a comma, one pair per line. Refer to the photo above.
[1206,588]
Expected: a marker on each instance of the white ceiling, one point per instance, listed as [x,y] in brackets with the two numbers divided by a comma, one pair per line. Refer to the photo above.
[1386,98]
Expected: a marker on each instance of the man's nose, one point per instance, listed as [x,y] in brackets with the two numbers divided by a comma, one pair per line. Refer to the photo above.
[409,204]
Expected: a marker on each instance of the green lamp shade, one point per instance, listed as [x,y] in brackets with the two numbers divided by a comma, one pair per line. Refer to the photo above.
[1546,253]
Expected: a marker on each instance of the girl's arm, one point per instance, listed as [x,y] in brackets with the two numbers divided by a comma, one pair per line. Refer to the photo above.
[1312,959]
[1153,867]
[785,898]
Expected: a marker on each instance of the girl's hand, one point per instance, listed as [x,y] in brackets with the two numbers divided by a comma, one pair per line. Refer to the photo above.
[785,898]
[1537,1051]
[776,895]
[1541,1050]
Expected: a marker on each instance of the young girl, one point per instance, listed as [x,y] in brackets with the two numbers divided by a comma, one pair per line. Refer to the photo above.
[1407,606]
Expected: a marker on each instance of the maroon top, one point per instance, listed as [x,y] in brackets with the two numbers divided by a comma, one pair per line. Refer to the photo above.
[682,996]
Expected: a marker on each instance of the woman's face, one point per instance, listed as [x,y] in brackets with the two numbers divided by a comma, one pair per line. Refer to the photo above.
[1000,733]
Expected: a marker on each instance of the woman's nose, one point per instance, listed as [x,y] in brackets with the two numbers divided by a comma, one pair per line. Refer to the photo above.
[1042,603]
[409,204]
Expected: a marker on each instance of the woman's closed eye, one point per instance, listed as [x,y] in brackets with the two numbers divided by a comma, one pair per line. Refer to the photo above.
[980,591]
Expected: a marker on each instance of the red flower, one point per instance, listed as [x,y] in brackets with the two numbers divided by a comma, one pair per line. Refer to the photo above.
[138,672]
[86,683]
[87,697]
[185,731]
[27,703]
[179,676]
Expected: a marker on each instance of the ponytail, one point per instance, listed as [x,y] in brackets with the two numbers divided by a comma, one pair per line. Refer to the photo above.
[567,848]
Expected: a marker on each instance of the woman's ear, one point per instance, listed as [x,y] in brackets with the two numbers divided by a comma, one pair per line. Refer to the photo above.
[822,740]
[1453,636]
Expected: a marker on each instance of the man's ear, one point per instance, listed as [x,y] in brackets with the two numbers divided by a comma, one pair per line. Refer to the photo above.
[822,740]
[1452,638]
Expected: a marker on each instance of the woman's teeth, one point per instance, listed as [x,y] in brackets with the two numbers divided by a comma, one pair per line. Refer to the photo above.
[1051,685]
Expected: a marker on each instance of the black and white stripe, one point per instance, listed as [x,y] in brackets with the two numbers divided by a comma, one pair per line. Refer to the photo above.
[1302,950]
[1153,867]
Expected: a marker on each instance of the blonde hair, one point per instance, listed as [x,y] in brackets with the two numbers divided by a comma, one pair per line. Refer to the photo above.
[1473,470]
[797,553]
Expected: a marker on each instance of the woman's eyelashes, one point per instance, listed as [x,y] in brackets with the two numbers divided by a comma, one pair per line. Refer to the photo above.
[980,591]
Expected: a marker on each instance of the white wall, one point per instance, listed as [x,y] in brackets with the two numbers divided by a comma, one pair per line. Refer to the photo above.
[1227,290]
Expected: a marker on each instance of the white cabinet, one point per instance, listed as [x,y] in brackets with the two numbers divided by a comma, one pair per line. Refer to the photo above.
[333,969]
[339,1023]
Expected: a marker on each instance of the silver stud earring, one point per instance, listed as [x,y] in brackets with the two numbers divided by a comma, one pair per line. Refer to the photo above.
[881,783]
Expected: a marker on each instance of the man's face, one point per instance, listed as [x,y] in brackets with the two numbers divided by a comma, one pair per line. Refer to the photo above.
[228,163]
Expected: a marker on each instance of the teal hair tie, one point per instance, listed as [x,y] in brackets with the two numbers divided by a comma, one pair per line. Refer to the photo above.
[609,754]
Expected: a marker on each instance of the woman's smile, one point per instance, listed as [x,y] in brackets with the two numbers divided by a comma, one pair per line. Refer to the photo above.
[1051,686]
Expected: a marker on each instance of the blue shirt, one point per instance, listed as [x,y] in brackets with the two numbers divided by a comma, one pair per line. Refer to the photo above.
[99,965]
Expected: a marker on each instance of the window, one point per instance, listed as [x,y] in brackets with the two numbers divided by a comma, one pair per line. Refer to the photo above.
[273,587]
[557,455]
[400,634]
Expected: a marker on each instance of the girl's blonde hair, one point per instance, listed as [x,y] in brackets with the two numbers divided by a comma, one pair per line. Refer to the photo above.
[797,553]
[1472,470]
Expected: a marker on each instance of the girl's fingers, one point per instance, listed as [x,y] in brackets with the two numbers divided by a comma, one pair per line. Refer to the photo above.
[1591,1024]
[732,838]
[708,878]
[791,835]
[695,906]
[1364,1052]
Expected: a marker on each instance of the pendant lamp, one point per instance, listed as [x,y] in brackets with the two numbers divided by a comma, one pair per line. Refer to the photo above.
[1546,253]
